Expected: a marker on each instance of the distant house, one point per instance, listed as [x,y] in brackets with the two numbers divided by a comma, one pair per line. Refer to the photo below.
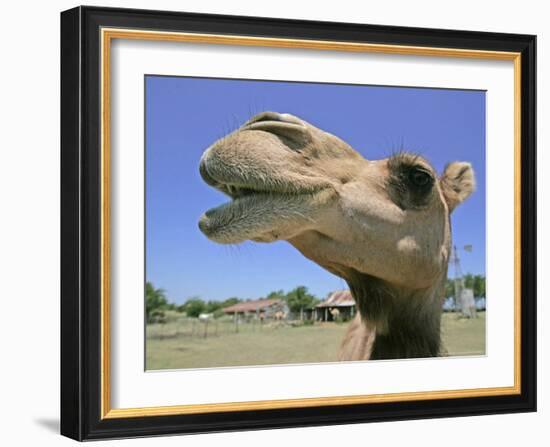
[339,303]
[262,308]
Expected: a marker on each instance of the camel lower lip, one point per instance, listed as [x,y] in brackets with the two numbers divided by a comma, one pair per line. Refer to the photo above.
[212,219]
[237,210]
[255,215]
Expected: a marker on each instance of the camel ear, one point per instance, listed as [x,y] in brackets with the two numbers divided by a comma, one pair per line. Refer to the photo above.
[457,183]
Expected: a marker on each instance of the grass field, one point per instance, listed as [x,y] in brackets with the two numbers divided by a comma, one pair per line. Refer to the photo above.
[182,343]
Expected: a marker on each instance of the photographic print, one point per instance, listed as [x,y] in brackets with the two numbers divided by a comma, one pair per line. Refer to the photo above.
[252,207]
[295,222]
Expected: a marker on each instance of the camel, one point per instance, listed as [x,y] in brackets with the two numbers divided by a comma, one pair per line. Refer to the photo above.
[381,225]
[280,318]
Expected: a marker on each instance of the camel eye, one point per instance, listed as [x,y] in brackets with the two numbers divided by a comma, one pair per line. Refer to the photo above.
[420,178]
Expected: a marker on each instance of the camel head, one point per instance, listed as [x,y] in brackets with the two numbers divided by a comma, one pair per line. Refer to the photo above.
[288,180]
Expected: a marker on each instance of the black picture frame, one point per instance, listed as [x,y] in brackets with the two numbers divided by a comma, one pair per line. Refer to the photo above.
[81,209]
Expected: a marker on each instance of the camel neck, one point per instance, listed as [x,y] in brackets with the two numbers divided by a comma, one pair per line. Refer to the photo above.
[408,338]
[406,322]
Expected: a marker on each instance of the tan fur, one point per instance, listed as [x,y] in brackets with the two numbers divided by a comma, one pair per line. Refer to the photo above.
[457,183]
[358,341]
[356,218]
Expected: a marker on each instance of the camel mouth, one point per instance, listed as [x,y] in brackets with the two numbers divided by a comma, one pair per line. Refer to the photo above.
[261,213]
[237,192]
[268,201]
[254,214]
[238,187]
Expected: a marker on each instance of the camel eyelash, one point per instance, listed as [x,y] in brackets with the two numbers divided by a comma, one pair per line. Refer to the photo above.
[404,164]
[403,158]
[410,182]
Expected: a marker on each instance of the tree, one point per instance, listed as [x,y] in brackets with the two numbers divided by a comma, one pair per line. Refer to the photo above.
[193,307]
[475,282]
[213,306]
[230,301]
[276,294]
[479,285]
[468,281]
[181,308]
[155,303]
[449,288]
[299,299]
[172,306]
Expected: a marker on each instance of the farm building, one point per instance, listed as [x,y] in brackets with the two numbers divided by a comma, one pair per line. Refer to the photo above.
[262,308]
[338,305]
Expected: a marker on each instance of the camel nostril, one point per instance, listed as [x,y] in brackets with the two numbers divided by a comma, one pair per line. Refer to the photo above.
[264,116]
[288,127]
[274,117]
[288,118]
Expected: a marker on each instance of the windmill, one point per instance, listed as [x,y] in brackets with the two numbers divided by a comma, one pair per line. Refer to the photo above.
[459,299]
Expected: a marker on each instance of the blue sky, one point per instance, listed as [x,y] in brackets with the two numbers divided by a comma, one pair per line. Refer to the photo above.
[185,115]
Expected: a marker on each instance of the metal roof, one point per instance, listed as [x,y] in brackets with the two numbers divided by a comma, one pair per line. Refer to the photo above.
[340,298]
[252,306]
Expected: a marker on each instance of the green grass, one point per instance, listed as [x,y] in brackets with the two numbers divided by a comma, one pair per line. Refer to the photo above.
[181,343]
[463,336]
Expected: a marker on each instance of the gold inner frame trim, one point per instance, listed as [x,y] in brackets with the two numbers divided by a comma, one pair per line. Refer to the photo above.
[107,35]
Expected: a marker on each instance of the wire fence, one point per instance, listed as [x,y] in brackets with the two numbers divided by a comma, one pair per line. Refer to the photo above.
[185,327]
